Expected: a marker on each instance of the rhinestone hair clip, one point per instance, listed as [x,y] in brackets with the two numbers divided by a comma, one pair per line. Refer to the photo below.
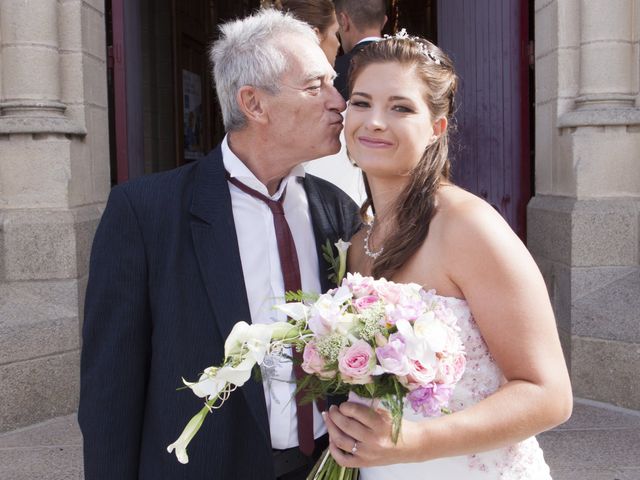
[403,35]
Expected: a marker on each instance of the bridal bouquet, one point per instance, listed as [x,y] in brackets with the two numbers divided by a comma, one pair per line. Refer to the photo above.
[393,343]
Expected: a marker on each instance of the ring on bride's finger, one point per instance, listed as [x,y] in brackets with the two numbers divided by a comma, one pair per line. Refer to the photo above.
[354,449]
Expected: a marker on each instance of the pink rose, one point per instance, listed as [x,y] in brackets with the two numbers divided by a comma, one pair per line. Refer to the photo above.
[363,303]
[313,363]
[388,291]
[358,285]
[420,374]
[356,363]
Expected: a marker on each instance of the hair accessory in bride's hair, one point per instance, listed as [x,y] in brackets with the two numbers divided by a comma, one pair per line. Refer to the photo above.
[403,35]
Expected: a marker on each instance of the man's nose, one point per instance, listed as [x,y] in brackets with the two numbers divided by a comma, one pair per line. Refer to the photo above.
[336,102]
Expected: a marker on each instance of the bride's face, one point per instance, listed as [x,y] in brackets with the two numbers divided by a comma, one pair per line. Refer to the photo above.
[388,123]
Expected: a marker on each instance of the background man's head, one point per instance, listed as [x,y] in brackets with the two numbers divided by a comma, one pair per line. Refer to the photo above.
[359,19]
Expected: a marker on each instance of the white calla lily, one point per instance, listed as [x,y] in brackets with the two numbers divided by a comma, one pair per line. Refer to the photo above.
[180,445]
[295,310]
[254,337]
[209,384]
[239,374]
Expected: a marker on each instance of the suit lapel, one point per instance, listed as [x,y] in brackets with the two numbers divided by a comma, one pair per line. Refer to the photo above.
[216,247]
[324,227]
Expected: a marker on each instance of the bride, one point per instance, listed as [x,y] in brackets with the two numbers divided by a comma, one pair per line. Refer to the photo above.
[428,231]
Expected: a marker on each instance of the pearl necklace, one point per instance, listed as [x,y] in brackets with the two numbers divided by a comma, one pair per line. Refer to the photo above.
[368,252]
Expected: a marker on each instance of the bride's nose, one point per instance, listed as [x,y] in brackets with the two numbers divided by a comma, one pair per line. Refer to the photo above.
[375,120]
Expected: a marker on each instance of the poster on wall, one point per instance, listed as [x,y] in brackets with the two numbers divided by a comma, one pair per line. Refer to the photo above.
[192,114]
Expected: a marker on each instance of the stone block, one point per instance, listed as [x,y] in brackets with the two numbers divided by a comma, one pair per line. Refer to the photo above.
[594,449]
[612,312]
[29,21]
[605,161]
[38,319]
[605,232]
[569,18]
[562,297]
[546,29]
[545,148]
[589,280]
[584,233]
[568,72]
[51,450]
[80,185]
[34,173]
[45,245]
[590,415]
[549,228]
[42,463]
[34,72]
[606,371]
[72,77]
[97,5]
[547,77]
[93,33]
[70,26]
[39,245]
[564,165]
[39,389]
[95,81]
[608,21]
[612,75]
[100,160]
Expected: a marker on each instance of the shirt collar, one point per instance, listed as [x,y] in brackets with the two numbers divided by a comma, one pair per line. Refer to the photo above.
[237,169]
[369,39]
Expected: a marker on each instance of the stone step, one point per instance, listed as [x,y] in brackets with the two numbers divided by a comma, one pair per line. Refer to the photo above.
[599,442]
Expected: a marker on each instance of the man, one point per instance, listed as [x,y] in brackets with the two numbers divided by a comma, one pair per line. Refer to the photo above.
[360,23]
[180,257]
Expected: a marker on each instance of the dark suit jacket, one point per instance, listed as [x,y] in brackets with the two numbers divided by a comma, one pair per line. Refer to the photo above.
[343,63]
[165,288]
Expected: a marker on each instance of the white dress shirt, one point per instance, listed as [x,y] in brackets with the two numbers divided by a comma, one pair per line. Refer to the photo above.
[264,282]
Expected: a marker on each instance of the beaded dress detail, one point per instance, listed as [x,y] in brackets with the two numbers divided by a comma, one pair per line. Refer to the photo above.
[482,377]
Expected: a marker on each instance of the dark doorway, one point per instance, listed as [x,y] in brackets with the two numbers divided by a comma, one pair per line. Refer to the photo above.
[162,108]
[489,41]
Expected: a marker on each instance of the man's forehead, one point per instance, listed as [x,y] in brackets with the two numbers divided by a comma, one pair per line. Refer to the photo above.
[306,59]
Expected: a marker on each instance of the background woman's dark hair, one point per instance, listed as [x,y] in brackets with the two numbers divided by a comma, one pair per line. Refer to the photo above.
[317,13]
[416,205]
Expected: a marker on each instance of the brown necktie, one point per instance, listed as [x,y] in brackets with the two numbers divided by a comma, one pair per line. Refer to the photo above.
[292,283]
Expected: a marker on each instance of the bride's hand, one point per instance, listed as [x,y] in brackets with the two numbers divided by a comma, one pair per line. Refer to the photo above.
[360,436]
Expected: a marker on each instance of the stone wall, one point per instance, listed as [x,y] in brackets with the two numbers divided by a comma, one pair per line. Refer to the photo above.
[54,180]
[584,221]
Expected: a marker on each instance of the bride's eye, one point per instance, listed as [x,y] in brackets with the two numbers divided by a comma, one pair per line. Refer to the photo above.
[359,103]
[403,109]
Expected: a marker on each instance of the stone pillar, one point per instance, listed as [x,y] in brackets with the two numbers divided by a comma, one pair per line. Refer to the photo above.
[584,221]
[54,179]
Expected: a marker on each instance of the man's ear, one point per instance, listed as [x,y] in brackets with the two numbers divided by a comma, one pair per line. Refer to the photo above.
[249,100]
[343,21]
[384,22]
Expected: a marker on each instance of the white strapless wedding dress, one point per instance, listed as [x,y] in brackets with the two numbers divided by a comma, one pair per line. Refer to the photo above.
[482,377]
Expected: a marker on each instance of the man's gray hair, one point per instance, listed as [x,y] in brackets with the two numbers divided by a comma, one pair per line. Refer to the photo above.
[248,52]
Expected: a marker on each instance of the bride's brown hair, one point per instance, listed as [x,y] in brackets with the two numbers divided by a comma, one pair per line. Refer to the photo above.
[415,206]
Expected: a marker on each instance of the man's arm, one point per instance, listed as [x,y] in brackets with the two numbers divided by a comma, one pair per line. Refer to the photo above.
[116,345]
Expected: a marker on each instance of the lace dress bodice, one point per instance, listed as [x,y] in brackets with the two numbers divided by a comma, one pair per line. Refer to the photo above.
[482,377]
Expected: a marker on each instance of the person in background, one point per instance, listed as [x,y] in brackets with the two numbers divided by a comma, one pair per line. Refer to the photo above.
[360,23]
[321,15]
